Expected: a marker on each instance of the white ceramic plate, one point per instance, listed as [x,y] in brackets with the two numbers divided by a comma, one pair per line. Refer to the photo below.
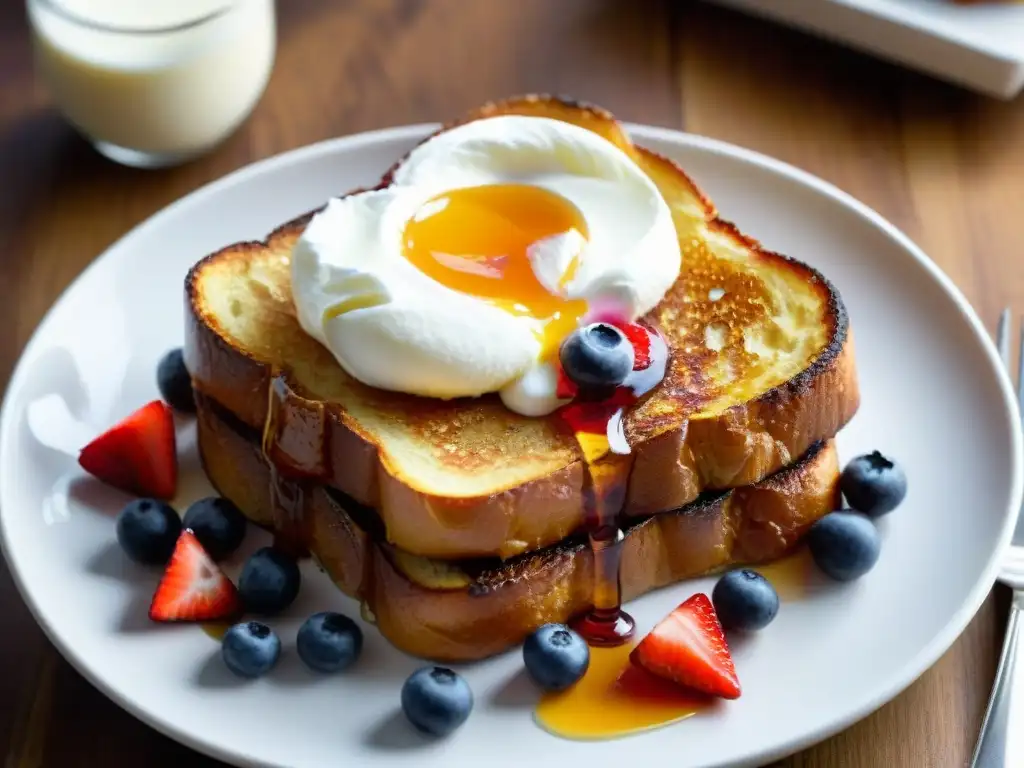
[980,46]
[933,396]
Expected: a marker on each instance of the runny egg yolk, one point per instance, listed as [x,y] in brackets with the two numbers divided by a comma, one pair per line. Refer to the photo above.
[478,241]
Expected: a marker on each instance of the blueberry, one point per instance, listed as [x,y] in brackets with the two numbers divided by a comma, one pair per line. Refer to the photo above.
[555,657]
[269,582]
[597,355]
[174,383]
[218,524]
[250,649]
[147,530]
[873,484]
[745,600]
[845,545]
[329,642]
[436,700]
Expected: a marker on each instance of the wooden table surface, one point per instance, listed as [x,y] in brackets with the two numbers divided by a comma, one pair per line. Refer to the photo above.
[944,165]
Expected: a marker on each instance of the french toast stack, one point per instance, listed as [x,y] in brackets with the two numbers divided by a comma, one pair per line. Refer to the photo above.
[458,524]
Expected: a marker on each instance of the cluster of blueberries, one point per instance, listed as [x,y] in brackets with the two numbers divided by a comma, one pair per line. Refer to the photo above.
[148,530]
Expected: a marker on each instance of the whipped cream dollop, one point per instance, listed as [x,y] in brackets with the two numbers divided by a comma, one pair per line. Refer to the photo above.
[422,327]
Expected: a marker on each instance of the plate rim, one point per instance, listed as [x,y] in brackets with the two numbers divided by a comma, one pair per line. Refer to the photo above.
[923,660]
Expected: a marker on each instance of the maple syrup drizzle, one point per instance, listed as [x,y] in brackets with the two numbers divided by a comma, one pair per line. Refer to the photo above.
[604,494]
[599,429]
[615,698]
[287,497]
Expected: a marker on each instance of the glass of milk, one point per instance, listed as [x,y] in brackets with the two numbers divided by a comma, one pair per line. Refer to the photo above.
[154,83]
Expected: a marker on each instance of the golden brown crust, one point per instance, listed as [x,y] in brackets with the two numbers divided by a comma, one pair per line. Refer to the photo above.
[499,604]
[674,459]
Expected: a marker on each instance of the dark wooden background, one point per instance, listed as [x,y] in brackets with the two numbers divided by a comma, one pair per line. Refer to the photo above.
[946,166]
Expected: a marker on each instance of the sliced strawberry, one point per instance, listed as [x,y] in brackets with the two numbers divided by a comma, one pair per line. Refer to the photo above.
[592,416]
[137,455]
[689,648]
[638,336]
[565,388]
[193,588]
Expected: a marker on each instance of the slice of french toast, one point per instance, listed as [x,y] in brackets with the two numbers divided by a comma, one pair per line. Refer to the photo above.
[761,368]
[464,610]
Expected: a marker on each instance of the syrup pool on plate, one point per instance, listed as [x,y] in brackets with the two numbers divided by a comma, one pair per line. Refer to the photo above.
[792,576]
[615,698]
[215,629]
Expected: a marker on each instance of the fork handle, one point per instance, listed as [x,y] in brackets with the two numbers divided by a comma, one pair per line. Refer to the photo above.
[993,750]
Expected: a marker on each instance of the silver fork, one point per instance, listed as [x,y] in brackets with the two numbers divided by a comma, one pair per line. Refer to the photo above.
[1006,703]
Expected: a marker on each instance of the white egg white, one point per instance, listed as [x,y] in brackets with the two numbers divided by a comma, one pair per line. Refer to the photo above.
[391,326]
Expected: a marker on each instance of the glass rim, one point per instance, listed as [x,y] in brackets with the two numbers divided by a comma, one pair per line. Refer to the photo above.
[57,8]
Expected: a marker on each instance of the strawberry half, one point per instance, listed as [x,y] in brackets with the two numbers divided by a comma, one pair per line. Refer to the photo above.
[641,342]
[138,454]
[689,648]
[565,388]
[193,588]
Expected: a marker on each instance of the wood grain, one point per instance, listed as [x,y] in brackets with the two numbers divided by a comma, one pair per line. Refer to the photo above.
[942,164]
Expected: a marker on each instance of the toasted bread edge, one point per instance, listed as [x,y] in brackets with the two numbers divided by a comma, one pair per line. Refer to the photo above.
[465,611]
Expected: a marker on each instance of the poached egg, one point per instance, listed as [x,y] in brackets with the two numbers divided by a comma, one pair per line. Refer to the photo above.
[494,241]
